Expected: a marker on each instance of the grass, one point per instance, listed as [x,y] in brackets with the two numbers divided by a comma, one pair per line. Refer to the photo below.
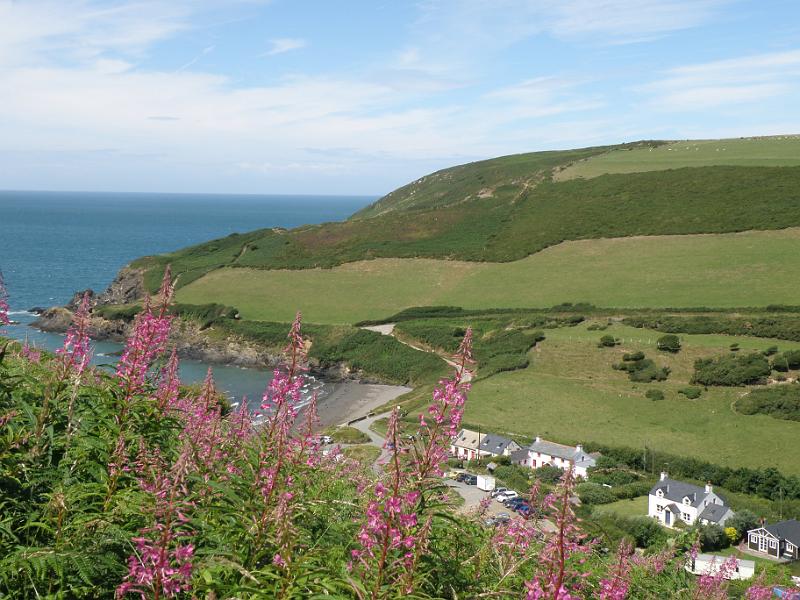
[348,435]
[571,394]
[716,270]
[365,454]
[508,208]
[632,507]
[752,152]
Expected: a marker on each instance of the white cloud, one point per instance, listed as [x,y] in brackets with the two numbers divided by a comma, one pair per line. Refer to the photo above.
[281,45]
[727,82]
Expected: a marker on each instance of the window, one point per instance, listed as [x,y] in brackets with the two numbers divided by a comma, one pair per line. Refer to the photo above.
[659,508]
[687,517]
[660,493]
[773,544]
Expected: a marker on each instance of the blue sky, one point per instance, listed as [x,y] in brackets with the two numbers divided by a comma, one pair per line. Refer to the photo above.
[295,96]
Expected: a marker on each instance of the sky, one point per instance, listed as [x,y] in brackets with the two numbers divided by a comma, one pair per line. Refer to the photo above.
[360,97]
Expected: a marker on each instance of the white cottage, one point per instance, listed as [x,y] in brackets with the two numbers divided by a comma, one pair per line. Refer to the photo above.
[541,453]
[671,501]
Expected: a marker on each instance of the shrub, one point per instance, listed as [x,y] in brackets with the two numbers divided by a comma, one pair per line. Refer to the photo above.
[654,395]
[734,347]
[594,493]
[669,343]
[548,474]
[348,435]
[692,393]
[712,537]
[779,401]
[607,341]
[770,351]
[641,369]
[787,360]
[731,370]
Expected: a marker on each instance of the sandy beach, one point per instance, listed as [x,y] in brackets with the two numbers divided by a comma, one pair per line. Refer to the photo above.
[352,400]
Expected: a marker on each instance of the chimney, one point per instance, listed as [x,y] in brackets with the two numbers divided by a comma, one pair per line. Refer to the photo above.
[664,475]
[579,448]
[538,440]
[709,487]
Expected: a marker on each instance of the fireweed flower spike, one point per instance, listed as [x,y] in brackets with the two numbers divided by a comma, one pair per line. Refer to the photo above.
[615,586]
[147,341]
[76,350]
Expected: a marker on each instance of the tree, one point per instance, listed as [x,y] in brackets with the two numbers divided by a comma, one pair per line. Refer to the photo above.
[712,537]
[743,521]
[669,343]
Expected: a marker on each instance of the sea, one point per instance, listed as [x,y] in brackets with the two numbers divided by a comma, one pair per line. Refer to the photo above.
[53,244]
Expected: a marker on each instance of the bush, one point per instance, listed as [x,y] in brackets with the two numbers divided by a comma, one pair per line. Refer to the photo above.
[641,369]
[770,351]
[594,493]
[734,347]
[607,341]
[712,537]
[669,343]
[692,393]
[548,474]
[779,401]
[787,360]
[731,370]
[654,395]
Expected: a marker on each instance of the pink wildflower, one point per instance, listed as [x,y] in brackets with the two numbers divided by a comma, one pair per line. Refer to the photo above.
[759,590]
[615,587]
[76,351]
[169,385]
[147,341]
[162,564]
[558,577]
[30,353]
[713,585]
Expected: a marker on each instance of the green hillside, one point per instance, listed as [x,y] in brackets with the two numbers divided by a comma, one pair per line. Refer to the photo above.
[508,208]
[779,151]
[720,270]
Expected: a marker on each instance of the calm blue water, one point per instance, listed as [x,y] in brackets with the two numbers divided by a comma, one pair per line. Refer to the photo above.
[55,243]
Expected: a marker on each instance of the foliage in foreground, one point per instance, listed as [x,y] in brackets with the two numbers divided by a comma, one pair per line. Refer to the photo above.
[124,484]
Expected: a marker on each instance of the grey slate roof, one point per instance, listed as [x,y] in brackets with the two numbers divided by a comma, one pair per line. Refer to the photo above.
[581,459]
[713,513]
[787,530]
[678,490]
[496,444]
[520,455]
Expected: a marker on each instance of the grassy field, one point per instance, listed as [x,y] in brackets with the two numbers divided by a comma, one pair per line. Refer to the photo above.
[717,270]
[780,151]
[570,394]
[632,507]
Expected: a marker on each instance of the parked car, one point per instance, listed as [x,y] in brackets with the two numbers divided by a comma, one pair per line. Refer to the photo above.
[325,439]
[461,477]
[502,517]
[471,480]
[497,491]
[506,496]
[523,509]
[513,502]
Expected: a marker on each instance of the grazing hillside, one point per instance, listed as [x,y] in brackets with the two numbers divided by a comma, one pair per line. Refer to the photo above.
[754,268]
[506,209]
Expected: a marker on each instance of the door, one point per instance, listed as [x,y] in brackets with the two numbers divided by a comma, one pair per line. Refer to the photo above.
[762,543]
[667,517]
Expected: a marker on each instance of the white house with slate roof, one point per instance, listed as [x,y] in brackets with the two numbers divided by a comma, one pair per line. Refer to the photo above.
[541,453]
[671,501]
[779,540]
[470,445]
